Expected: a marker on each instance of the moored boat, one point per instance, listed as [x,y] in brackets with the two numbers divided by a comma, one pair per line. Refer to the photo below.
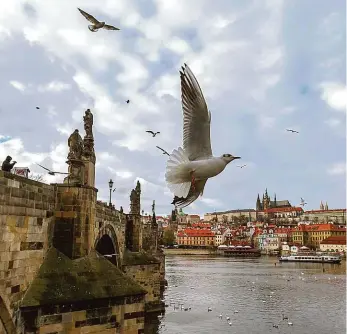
[239,251]
[311,258]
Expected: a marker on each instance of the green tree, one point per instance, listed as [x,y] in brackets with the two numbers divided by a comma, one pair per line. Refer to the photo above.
[168,237]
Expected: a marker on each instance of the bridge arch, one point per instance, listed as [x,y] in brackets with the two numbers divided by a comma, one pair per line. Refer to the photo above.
[106,244]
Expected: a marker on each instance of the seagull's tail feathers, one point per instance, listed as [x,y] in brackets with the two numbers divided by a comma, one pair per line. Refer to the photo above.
[177,173]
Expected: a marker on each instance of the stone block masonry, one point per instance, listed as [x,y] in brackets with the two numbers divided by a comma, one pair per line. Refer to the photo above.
[26,226]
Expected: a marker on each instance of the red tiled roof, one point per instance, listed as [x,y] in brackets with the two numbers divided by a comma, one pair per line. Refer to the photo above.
[282,230]
[195,233]
[319,227]
[334,240]
[291,209]
[194,216]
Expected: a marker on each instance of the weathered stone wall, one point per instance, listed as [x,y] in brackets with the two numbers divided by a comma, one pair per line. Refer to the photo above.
[26,226]
[74,220]
[108,219]
[148,276]
[116,316]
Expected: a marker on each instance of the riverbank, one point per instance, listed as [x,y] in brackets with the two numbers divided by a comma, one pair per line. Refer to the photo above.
[182,251]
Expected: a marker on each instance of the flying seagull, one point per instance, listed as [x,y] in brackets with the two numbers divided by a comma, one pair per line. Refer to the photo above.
[127,101]
[242,166]
[96,25]
[153,133]
[189,168]
[50,172]
[302,202]
[37,107]
[290,130]
[164,152]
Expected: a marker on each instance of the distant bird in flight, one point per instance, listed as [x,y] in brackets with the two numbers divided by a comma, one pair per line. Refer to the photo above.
[302,202]
[50,172]
[5,139]
[96,25]
[188,169]
[164,152]
[37,107]
[153,133]
[242,166]
[290,130]
[127,101]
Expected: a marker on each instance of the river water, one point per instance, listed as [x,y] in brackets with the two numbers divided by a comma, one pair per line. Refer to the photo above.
[255,294]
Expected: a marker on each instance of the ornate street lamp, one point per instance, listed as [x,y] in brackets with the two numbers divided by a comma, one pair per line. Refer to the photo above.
[110,185]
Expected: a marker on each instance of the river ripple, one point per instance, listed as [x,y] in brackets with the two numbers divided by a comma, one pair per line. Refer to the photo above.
[260,291]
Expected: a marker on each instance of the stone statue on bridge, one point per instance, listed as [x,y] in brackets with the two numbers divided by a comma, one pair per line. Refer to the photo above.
[88,123]
[75,143]
[153,207]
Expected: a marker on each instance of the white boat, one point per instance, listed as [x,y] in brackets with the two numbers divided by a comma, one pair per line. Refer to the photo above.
[311,258]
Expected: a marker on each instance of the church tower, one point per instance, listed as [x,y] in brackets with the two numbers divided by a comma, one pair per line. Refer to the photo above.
[258,206]
[321,207]
[326,206]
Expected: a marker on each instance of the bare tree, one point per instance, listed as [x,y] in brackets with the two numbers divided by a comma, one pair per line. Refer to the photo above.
[36,177]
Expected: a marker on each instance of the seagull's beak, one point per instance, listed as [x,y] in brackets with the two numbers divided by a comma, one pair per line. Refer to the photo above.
[237,158]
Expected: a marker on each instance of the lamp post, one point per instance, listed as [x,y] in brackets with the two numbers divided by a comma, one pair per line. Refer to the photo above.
[110,185]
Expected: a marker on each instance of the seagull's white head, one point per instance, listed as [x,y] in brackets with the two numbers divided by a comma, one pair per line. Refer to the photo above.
[228,158]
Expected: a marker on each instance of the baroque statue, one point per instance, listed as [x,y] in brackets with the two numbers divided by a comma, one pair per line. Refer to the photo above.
[153,207]
[88,123]
[75,143]
[7,165]
[133,196]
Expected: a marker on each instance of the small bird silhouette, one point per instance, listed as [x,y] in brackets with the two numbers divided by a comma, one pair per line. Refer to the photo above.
[293,131]
[37,107]
[302,202]
[242,166]
[153,133]
[127,101]
[50,172]
[96,25]
[164,152]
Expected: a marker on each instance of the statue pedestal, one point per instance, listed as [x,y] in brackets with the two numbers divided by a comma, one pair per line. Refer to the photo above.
[76,172]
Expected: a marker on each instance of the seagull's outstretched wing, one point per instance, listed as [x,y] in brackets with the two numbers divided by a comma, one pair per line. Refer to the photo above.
[180,202]
[109,27]
[149,131]
[164,152]
[89,17]
[196,118]
[44,167]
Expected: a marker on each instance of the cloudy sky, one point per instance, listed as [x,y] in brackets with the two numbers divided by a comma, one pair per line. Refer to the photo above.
[263,65]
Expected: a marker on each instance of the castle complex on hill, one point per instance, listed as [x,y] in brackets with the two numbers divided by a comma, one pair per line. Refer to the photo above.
[70,263]
[266,203]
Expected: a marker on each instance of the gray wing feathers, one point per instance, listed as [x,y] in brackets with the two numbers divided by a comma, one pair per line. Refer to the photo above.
[192,195]
[109,27]
[89,17]
[196,117]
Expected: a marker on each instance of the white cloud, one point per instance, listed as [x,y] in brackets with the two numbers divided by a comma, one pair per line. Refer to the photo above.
[337,169]
[267,122]
[125,174]
[335,95]
[333,122]
[211,202]
[237,51]
[54,86]
[18,85]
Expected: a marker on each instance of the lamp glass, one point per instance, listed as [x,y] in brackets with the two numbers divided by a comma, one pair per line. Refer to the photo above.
[110,183]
